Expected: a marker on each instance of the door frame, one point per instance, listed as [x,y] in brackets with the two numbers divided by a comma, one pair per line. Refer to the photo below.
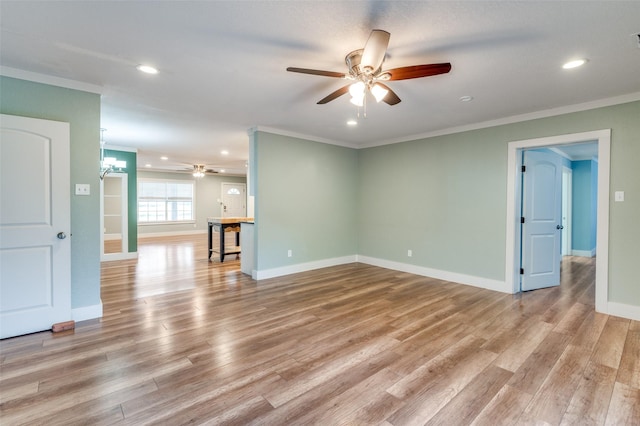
[567,210]
[124,218]
[514,207]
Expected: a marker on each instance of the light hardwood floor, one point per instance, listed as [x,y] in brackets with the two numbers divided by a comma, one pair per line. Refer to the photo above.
[187,341]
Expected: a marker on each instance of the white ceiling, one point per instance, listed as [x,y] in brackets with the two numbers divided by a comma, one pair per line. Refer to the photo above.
[222,66]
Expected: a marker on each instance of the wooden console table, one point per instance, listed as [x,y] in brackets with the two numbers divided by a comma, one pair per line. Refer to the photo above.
[224,225]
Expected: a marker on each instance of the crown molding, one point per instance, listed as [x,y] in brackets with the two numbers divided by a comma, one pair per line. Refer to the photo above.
[617,100]
[50,80]
[312,138]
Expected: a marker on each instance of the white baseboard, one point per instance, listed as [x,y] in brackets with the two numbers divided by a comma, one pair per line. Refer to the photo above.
[623,310]
[583,253]
[455,277]
[110,237]
[301,267]
[87,312]
[118,256]
[170,233]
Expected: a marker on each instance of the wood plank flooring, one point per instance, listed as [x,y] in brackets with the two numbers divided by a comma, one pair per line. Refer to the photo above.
[188,341]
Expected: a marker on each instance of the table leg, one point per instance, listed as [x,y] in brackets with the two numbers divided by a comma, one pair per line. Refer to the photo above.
[210,238]
[221,243]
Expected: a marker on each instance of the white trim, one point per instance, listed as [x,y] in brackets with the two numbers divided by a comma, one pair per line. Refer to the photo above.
[512,240]
[109,257]
[617,100]
[585,106]
[109,237]
[300,136]
[623,310]
[583,253]
[170,233]
[301,267]
[51,80]
[455,277]
[119,148]
[87,312]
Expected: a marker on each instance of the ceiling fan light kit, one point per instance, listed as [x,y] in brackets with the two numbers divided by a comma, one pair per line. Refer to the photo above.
[198,170]
[365,69]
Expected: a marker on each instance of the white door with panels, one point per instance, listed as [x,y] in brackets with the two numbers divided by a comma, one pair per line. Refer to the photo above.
[35,226]
[542,222]
[234,200]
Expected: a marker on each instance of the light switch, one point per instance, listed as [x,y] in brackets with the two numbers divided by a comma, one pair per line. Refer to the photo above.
[83,189]
[619,196]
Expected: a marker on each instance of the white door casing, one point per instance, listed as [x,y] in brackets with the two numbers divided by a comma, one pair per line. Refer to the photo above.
[234,200]
[567,201]
[541,230]
[35,226]
[512,232]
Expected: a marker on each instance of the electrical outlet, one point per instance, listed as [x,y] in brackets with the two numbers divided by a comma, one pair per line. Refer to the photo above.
[289,253]
[83,189]
[409,253]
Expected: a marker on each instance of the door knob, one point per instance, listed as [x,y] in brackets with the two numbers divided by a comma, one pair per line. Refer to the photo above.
[62,235]
[559,227]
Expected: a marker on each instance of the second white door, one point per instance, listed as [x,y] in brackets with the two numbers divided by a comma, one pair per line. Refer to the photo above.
[234,200]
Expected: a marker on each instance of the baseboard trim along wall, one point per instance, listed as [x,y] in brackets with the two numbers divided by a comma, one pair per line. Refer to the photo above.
[87,312]
[485,283]
[623,311]
[583,253]
[169,234]
[119,256]
[301,267]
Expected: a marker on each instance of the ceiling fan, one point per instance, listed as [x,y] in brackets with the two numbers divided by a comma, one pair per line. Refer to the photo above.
[199,170]
[365,70]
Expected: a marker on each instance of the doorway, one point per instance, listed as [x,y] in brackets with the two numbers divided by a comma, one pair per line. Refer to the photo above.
[114,214]
[514,206]
[234,200]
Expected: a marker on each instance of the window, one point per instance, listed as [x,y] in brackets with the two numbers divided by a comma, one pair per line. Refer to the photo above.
[163,201]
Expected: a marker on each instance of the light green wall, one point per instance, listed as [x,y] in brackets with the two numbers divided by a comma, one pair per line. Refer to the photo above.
[208,191]
[444,198]
[82,111]
[306,200]
[449,195]
[437,198]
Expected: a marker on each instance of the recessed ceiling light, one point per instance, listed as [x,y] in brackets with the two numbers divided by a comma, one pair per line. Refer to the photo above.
[148,69]
[222,170]
[352,123]
[466,98]
[164,158]
[147,165]
[574,64]
[224,152]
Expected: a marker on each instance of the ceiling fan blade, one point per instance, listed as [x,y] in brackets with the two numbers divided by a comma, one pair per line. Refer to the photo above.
[417,71]
[331,96]
[317,72]
[374,51]
[390,98]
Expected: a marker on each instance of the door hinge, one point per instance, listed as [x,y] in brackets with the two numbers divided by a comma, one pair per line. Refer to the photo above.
[521,271]
[524,168]
[522,219]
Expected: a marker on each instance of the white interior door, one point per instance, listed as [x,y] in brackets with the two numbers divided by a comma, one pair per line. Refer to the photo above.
[234,200]
[541,230]
[35,244]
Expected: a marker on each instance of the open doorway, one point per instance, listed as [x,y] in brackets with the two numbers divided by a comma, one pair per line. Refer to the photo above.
[514,207]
